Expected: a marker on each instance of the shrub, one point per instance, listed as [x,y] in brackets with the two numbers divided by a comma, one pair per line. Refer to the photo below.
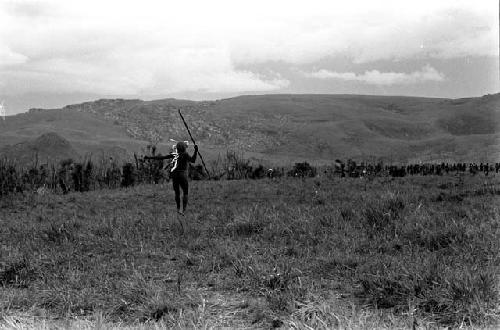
[77,177]
[10,178]
[87,175]
[302,170]
[196,172]
[128,176]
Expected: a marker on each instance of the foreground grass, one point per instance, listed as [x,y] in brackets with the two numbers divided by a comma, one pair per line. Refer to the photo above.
[388,253]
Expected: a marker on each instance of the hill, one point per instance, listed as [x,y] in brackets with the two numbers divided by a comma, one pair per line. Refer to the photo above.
[283,128]
[48,146]
[87,133]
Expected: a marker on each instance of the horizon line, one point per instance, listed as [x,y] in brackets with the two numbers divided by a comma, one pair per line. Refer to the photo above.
[153,98]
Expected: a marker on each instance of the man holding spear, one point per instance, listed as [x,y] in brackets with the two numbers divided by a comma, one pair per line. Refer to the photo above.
[180,164]
[180,161]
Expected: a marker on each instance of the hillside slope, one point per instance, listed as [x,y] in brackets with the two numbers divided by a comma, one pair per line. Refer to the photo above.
[48,146]
[284,128]
[87,133]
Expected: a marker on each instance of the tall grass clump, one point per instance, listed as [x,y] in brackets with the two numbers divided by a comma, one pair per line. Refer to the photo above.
[382,214]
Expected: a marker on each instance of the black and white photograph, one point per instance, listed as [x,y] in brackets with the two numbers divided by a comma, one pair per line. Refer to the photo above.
[236,164]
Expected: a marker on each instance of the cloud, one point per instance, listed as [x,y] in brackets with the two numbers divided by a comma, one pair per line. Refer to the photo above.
[368,31]
[163,47]
[148,72]
[28,9]
[375,77]
[8,57]
[117,48]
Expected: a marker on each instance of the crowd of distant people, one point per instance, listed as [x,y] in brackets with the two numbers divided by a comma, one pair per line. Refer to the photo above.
[351,169]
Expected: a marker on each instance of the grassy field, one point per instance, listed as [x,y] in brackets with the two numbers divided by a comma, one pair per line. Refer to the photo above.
[318,253]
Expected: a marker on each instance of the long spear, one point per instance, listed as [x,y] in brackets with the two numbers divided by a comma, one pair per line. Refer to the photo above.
[189,132]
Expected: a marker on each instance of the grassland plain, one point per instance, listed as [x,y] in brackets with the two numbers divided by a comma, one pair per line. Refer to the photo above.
[415,252]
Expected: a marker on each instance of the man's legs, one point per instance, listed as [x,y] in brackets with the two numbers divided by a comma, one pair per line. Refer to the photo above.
[185,192]
[175,183]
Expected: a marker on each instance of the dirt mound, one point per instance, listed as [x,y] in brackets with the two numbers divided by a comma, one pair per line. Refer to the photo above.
[51,142]
[47,147]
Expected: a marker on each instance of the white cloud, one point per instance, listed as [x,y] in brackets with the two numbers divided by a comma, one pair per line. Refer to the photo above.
[371,31]
[375,77]
[118,48]
[8,57]
[154,71]
[162,47]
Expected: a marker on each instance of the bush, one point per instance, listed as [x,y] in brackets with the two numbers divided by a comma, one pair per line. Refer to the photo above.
[128,176]
[10,179]
[302,170]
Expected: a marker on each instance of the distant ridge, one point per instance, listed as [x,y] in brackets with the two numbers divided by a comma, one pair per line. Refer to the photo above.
[281,128]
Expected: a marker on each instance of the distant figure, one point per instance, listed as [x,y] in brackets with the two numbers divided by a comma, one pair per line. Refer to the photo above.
[180,159]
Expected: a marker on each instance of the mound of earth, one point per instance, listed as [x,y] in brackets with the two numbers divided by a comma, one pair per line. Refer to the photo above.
[47,148]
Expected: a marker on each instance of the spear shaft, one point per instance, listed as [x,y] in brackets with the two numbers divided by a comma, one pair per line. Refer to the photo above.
[192,139]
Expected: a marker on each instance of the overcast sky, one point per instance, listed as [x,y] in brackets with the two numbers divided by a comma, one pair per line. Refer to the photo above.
[57,52]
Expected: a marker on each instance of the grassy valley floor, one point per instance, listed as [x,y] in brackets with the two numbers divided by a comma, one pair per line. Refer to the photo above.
[316,253]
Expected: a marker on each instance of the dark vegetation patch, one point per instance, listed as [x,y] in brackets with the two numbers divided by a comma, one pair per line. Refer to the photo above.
[448,197]
[18,274]
[400,129]
[467,124]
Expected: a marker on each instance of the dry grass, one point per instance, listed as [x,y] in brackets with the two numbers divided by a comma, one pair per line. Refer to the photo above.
[293,253]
